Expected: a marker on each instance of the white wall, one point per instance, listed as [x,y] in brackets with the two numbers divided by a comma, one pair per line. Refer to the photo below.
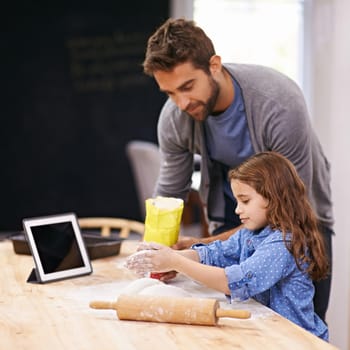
[328,94]
[331,92]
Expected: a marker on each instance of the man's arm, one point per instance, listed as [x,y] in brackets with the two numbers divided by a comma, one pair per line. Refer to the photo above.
[185,242]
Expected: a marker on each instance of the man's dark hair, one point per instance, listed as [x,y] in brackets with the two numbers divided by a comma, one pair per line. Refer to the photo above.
[178,41]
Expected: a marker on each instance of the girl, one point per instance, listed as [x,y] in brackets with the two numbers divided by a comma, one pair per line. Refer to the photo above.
[272,259]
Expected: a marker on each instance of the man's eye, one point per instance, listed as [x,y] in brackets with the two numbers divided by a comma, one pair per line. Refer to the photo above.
[246,201]
[187,87]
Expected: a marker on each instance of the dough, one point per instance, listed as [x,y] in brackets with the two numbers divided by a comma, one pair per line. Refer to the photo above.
[165,290]
[151,286]
[135,287]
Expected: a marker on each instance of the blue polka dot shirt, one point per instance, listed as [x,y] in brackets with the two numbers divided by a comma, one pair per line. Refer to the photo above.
[258,265]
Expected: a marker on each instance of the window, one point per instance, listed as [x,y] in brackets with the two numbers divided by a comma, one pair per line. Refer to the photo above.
[266,32]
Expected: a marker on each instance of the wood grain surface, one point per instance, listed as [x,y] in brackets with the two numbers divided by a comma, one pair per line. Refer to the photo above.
[57,315]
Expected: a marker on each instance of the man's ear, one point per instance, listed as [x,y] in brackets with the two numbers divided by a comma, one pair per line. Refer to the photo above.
[215,65]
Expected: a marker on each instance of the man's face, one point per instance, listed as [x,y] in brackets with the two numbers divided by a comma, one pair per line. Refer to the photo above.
[192,90]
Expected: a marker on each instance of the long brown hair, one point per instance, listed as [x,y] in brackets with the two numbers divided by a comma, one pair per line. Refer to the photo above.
[178,41]
[275,178]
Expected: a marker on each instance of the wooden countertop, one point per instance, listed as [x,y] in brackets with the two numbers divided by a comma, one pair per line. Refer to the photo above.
[57,315]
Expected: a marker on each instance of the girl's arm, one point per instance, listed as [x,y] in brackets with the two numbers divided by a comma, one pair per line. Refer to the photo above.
[211,276]
[158,258]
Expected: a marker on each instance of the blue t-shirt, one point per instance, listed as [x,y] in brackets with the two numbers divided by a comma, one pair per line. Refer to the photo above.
[228,142]
[258,265]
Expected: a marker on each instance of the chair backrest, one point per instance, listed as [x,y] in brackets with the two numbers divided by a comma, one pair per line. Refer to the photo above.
[144,158]
[106,224]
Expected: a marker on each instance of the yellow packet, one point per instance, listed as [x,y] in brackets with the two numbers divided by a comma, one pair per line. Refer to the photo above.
[163,219]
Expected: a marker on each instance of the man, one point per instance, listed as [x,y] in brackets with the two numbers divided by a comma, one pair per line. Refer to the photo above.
[226,113]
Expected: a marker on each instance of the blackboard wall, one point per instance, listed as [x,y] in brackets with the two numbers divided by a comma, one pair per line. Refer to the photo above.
[73,95]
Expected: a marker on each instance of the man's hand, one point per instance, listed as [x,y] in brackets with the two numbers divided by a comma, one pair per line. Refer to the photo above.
[186,242]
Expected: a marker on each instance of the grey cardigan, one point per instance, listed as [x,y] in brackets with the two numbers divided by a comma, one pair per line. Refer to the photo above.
[277,120]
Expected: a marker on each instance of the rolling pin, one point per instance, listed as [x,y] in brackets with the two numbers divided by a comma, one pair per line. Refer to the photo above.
[195,311]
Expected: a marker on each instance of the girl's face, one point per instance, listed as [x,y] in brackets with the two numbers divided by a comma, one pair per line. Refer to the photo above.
[251,206]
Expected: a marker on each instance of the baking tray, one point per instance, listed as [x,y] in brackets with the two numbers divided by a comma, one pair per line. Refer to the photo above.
[97,246]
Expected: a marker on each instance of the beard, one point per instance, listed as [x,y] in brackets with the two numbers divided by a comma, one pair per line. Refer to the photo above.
[206,108]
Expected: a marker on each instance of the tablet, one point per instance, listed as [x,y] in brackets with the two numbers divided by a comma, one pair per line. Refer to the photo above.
[57,248]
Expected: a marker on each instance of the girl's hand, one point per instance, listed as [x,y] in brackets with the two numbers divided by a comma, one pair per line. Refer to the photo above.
[151,257]
[149,246]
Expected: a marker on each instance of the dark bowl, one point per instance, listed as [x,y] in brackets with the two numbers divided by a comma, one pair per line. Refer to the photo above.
[97,246]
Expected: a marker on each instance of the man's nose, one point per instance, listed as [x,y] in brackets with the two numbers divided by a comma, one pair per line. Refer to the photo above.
[182,101]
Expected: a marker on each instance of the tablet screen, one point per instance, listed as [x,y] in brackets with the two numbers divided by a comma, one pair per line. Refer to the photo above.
[57,247]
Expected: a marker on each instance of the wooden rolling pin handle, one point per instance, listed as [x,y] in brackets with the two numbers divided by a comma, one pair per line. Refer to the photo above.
[105,305]
[232,313]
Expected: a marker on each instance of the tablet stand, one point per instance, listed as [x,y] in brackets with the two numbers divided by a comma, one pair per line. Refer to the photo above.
[32,277]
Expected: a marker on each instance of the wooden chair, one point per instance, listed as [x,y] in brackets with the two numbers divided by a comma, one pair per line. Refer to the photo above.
[106,224]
